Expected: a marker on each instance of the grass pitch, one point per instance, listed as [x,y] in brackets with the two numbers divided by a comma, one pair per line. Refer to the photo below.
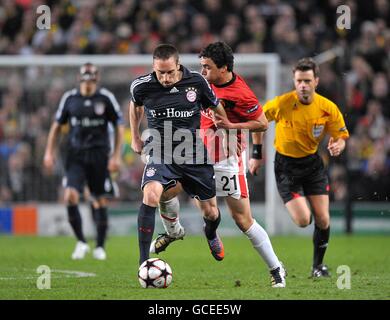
[196,275]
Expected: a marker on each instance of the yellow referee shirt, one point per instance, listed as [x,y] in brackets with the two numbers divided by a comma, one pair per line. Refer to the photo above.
[300,127]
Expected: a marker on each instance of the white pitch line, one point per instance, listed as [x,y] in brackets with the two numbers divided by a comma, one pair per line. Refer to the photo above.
[16,278]
[68,274]
[77,274]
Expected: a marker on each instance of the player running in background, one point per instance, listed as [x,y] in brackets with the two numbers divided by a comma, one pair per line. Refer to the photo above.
[113,193]
[88,111]
[172,97]
[303,118]
[243,112]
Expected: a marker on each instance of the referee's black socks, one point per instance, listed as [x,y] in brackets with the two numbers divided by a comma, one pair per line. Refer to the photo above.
[320,241]
[75,221]
[211,226]
[146,220]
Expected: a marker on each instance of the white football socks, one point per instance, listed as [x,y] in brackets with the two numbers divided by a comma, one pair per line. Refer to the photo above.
[169,213]
[261,242]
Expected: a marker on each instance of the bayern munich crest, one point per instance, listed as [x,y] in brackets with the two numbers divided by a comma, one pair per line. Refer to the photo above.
[191,94]
[150,172]
[99,108]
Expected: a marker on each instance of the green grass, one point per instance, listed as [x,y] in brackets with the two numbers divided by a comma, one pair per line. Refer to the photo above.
[196,275]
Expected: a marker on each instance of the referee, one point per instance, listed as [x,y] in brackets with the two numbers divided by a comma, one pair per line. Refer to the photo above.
[303,118]
[88,110]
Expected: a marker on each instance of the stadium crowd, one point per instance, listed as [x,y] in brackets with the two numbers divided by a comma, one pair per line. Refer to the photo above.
[358,81]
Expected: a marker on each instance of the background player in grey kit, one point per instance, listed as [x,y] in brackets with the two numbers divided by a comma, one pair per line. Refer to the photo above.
[88,111]
[171,85]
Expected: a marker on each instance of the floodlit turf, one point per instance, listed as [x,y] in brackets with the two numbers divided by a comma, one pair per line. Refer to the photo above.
[196,275]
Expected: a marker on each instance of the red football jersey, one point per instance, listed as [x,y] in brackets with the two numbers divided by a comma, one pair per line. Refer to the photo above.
[240,105]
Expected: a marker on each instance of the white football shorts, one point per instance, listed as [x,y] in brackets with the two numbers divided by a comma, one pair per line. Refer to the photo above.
[230,177]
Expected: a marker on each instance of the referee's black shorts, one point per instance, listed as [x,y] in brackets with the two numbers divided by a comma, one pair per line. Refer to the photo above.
[89,167]
[297,177]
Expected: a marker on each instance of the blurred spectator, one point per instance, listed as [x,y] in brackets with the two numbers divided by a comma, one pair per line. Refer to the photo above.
[380,92]
[215,14]
[374,120]
[11,19]
[289,47]
[338,186]
[330,83]
[200,32]
[378,174]
[367,46]
[358,86]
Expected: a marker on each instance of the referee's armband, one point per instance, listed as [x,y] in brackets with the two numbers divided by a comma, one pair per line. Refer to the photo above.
[256,152]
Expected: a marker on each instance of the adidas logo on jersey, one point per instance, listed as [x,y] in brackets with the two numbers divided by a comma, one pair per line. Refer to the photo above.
[174,90]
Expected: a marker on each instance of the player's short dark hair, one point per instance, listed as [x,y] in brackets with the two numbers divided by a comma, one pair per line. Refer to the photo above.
[220,53]
[165,51]
[306,64]
[88,71]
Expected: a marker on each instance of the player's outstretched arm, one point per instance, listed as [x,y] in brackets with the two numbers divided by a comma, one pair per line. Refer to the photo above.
[136,114]
[49,158]
[260,124]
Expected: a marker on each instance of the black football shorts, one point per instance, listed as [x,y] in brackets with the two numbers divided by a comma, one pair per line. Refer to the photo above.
[89,167]
[197,180]
[297,177]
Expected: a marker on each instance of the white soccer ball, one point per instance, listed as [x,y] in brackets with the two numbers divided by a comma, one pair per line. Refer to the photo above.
[154,273]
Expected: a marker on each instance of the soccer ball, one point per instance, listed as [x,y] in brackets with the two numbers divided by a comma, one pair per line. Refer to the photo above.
[154,273]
